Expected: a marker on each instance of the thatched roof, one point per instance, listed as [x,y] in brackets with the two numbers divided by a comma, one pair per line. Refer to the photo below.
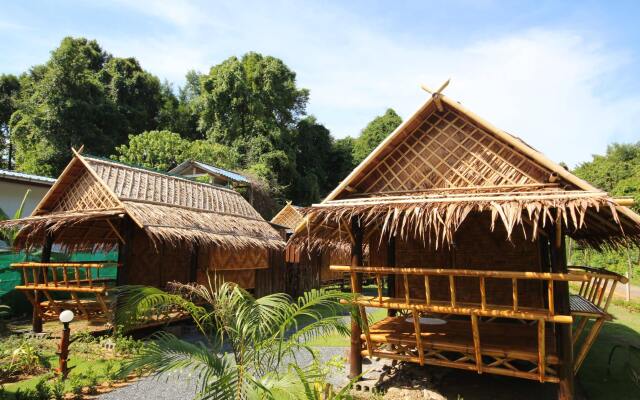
[444,163]
[84,205]
[289,216]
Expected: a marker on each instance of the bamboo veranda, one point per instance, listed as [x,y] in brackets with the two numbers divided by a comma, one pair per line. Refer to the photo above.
[466,225]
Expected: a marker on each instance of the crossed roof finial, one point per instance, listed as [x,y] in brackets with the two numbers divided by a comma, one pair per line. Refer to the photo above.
[436,93]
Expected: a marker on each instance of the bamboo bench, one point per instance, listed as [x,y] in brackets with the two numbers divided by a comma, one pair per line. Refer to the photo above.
[507,339]
[72,278]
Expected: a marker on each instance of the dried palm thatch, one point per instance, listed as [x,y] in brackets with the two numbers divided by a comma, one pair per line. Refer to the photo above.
[589,217]
[85,207]
[444,163]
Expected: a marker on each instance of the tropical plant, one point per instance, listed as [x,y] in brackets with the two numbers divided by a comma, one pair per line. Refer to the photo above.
[8,235]
[252,345]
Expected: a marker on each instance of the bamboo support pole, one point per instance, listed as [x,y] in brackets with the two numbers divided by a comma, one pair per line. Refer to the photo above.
[418,332]
[476,342]
[542,356]
[407,294]
[552,308]
[588,342]
[483,294]
[452,291]
[514,294]
[427,290]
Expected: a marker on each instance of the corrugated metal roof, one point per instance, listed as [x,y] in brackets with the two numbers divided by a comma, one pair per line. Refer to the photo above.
[19,176]
[212,170]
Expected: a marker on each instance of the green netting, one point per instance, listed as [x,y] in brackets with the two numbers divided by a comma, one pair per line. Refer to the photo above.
[10,277]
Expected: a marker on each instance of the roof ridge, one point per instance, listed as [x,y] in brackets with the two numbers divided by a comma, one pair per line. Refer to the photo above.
[152,171]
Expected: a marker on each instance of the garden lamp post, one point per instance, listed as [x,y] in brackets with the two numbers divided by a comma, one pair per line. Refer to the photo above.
[63,349]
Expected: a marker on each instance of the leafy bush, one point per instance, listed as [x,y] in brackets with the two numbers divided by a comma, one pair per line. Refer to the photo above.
[42,390]
[58,389]
[21,357]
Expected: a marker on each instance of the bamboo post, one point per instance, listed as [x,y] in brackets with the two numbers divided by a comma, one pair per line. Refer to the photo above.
[124,251]
[588,342]
[542,364]
[483,294]
[355,356]
[452,290]
[416,325]
[407,293]
[36,317]
[564,341]
[391,278]
[427,290]
[514,288]
[476,342]
[628,294]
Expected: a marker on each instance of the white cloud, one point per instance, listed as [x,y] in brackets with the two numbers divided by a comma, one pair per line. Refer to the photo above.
[546,85]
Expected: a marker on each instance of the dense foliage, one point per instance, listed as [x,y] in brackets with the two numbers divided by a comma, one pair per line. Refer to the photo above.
[246,114]
[617,172]
[374,133]
[265,339]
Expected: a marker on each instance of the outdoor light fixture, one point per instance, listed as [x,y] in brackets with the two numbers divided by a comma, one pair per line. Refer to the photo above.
[63,349]
[66,316]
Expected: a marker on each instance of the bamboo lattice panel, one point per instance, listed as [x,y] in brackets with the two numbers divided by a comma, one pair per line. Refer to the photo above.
[448,150]
[85,193]
[288,217]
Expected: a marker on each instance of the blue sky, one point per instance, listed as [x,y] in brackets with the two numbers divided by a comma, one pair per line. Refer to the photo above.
[561,75]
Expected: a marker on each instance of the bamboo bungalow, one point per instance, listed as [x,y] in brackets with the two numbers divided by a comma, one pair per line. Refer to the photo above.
[307,270]
[165,228]
[468,225]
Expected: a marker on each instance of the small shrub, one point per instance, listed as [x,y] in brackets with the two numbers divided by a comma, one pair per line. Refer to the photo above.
[111,372]
[125,345]
[58,389]
[76,383]
[91,380]
[42,390]
[26,394]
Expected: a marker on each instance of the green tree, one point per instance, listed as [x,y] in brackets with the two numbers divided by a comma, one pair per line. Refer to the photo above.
[81,96]
[9,90]
[163,150]
[374,133]
[314,146]
[263,335]
[616,172]
[341,162]
[159,150]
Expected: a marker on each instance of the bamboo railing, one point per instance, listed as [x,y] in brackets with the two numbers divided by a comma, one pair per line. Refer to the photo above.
[592,303]
[72,278]
[593,284]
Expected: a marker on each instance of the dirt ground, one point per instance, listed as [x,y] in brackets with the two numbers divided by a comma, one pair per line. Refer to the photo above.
[412,382]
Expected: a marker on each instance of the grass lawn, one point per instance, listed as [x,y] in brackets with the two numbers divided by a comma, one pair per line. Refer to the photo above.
[624,331]
[80,366]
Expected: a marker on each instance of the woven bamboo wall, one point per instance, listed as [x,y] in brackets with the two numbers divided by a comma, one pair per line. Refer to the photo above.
[476,247]
[148,265]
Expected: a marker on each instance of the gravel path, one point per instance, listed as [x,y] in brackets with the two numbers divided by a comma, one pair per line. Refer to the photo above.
[181,386]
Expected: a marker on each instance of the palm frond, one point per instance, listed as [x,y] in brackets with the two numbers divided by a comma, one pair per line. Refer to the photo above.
[167,353]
